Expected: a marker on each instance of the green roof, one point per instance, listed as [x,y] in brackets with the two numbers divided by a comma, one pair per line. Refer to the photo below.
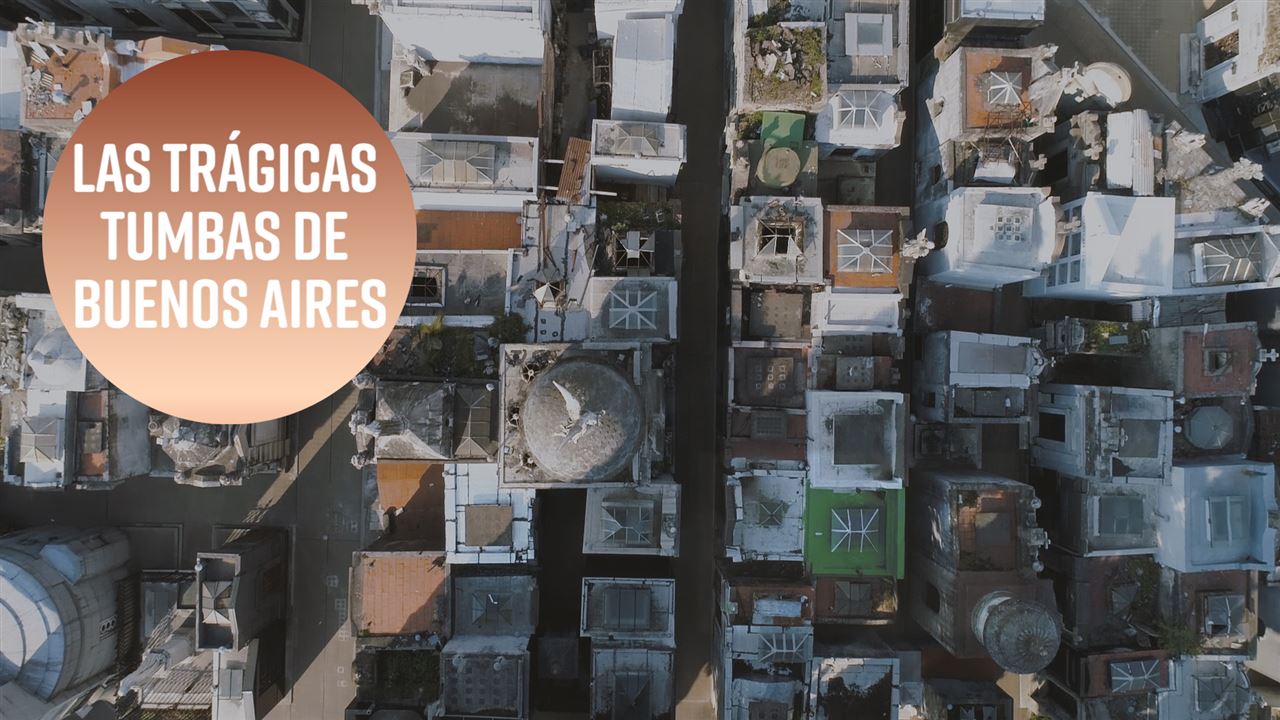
[782,129]
[855,532]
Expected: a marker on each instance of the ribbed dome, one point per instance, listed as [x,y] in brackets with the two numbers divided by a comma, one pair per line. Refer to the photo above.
[582,421]
[1020,635]
[1210,427]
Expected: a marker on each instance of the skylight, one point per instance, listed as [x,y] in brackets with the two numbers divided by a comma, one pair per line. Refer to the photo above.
[1227,260]
[628,524]
[1004,89]
[852,527]
[1227,519]
[627,609]
[1120,515]
[1223,614]
[1135,675]
[861,109]
[450,163]
[489,609]
[635,139]
[633,310]
[783,647]
[852,598]
[863,250]
[776,238]
[771,513]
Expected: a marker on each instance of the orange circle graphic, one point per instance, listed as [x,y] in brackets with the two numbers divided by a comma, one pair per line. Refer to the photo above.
[148,173]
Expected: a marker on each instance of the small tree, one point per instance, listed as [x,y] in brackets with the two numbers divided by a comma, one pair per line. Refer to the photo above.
[1179,640]
[508,328]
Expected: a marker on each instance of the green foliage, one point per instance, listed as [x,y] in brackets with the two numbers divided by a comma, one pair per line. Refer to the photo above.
[508,328]
[1098,334]
[748,125]
[809,53]
[621,216]
[449,352]
[1180,640]
[408,676]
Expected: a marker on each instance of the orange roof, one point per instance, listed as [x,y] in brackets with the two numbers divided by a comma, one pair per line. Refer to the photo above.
[850,219]
[977,63]
[576,157]
[416,491]
[398,593]
[462,230]
[82,75]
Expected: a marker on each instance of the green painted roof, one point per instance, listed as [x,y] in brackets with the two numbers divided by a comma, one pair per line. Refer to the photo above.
[855,532]
[782,129]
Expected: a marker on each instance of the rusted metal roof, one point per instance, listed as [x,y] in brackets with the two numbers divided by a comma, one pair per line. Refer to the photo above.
[572,178]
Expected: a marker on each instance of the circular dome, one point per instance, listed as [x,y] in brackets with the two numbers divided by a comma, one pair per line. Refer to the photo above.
[13,650]
[1209,427]
[779,168]
[582,421]
[1020,635]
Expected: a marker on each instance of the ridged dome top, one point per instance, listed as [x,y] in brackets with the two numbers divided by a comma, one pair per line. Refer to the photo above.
[581,420]
[1022,636]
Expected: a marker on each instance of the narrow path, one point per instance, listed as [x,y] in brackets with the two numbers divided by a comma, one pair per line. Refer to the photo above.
[700,105]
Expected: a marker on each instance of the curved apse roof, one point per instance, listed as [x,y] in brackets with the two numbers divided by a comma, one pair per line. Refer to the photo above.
[582,421]
[32,632]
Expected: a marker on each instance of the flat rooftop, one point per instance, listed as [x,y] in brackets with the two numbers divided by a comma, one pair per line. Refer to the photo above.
[776,315]
[770,377]
[474,283]
[637,138]
[399,593]
[469,98]
[866,41]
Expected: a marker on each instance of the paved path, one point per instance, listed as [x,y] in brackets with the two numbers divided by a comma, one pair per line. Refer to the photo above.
[1151,30]
[320,505]
[700,105]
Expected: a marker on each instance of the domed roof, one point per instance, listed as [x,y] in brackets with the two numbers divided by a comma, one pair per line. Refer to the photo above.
[1210,427]
[1022,636]
[581,420]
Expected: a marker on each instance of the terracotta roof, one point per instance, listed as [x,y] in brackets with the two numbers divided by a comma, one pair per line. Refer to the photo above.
[416,491]
[876,220]
[461,230]
[1219,362]
[398,593]
[576,158]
